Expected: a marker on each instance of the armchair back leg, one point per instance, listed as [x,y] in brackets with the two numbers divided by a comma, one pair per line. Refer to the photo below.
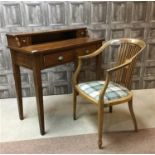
[130,104]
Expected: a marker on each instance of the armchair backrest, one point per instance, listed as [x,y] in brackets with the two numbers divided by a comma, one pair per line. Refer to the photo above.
[129,49]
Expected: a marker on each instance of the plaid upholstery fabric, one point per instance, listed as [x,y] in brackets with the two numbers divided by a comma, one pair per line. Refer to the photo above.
[113,91]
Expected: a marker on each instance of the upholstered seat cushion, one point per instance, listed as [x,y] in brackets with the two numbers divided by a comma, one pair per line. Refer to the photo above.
[113,91]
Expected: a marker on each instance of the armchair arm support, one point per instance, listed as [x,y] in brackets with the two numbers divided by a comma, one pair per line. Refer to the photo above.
[108,76]
[76,73]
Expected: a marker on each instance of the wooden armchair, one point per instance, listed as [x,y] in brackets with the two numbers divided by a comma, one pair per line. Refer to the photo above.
[108,93]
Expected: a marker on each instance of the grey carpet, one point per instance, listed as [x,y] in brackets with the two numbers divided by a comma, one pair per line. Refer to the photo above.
[142,141]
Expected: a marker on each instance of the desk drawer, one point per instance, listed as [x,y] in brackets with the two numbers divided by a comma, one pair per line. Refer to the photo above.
[58,58]
[86,50]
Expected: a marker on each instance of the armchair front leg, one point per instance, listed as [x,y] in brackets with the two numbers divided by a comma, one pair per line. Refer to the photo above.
[76,73]
[100,124]
[74,83]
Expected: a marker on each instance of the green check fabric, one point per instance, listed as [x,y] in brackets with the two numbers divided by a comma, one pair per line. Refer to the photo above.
[113,91]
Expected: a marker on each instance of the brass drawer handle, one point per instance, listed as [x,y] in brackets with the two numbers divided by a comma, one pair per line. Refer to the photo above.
[60,58]
[24,41]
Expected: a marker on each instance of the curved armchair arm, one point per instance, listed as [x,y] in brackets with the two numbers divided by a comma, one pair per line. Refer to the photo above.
[126,63]
[110,71]
[80,58]
[76,73]
[97,52]
[108,76]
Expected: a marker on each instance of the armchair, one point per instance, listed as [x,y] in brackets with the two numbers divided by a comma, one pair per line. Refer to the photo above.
[110,92]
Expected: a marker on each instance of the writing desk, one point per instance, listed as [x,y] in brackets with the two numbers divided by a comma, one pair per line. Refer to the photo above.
[42,50]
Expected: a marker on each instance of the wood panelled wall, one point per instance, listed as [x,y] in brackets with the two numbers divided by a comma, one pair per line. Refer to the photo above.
[103,19]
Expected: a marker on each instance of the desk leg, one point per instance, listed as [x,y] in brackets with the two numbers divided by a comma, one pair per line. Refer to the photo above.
[39,96]
[16,72]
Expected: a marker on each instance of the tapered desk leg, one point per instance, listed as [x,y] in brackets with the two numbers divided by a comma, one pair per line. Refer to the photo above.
[17,78]
[39,96]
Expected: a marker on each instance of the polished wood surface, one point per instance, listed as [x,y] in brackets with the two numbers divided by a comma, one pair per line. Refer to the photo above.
[41,50]
[57,45]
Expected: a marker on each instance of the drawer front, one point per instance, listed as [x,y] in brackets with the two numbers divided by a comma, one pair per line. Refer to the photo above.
[86,50]
[58,58]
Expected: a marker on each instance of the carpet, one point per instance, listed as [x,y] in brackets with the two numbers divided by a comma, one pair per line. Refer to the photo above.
[59,121]
[142,141]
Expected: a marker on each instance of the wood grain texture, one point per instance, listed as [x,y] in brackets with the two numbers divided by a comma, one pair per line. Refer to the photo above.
[103,19]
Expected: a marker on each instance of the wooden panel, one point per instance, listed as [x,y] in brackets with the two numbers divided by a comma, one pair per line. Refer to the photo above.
[135,84]
[137,33]
[98,12]
[2,60]
[47,79]
[152,16]
[60,76]
[25,92]
[151,55]
[34,14]
[113,53]
[13,13]
[77,13]
[102,18]
[56,13]
[61,89]
[149,69]
[4,93]
[139,11]
[119,12]
[3,80]
[25,78]
[117,33]
[1,17]
[151,33]
[149,82]
[97,33]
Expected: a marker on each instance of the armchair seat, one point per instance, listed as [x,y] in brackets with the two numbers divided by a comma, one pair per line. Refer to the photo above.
[113,91]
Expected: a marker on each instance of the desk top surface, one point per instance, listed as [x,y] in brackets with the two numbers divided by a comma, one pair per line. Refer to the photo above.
[58,45]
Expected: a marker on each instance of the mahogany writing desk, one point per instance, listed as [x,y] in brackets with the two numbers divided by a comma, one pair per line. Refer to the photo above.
[42,50]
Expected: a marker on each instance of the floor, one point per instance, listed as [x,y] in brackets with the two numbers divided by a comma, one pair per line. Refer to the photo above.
[58,117]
